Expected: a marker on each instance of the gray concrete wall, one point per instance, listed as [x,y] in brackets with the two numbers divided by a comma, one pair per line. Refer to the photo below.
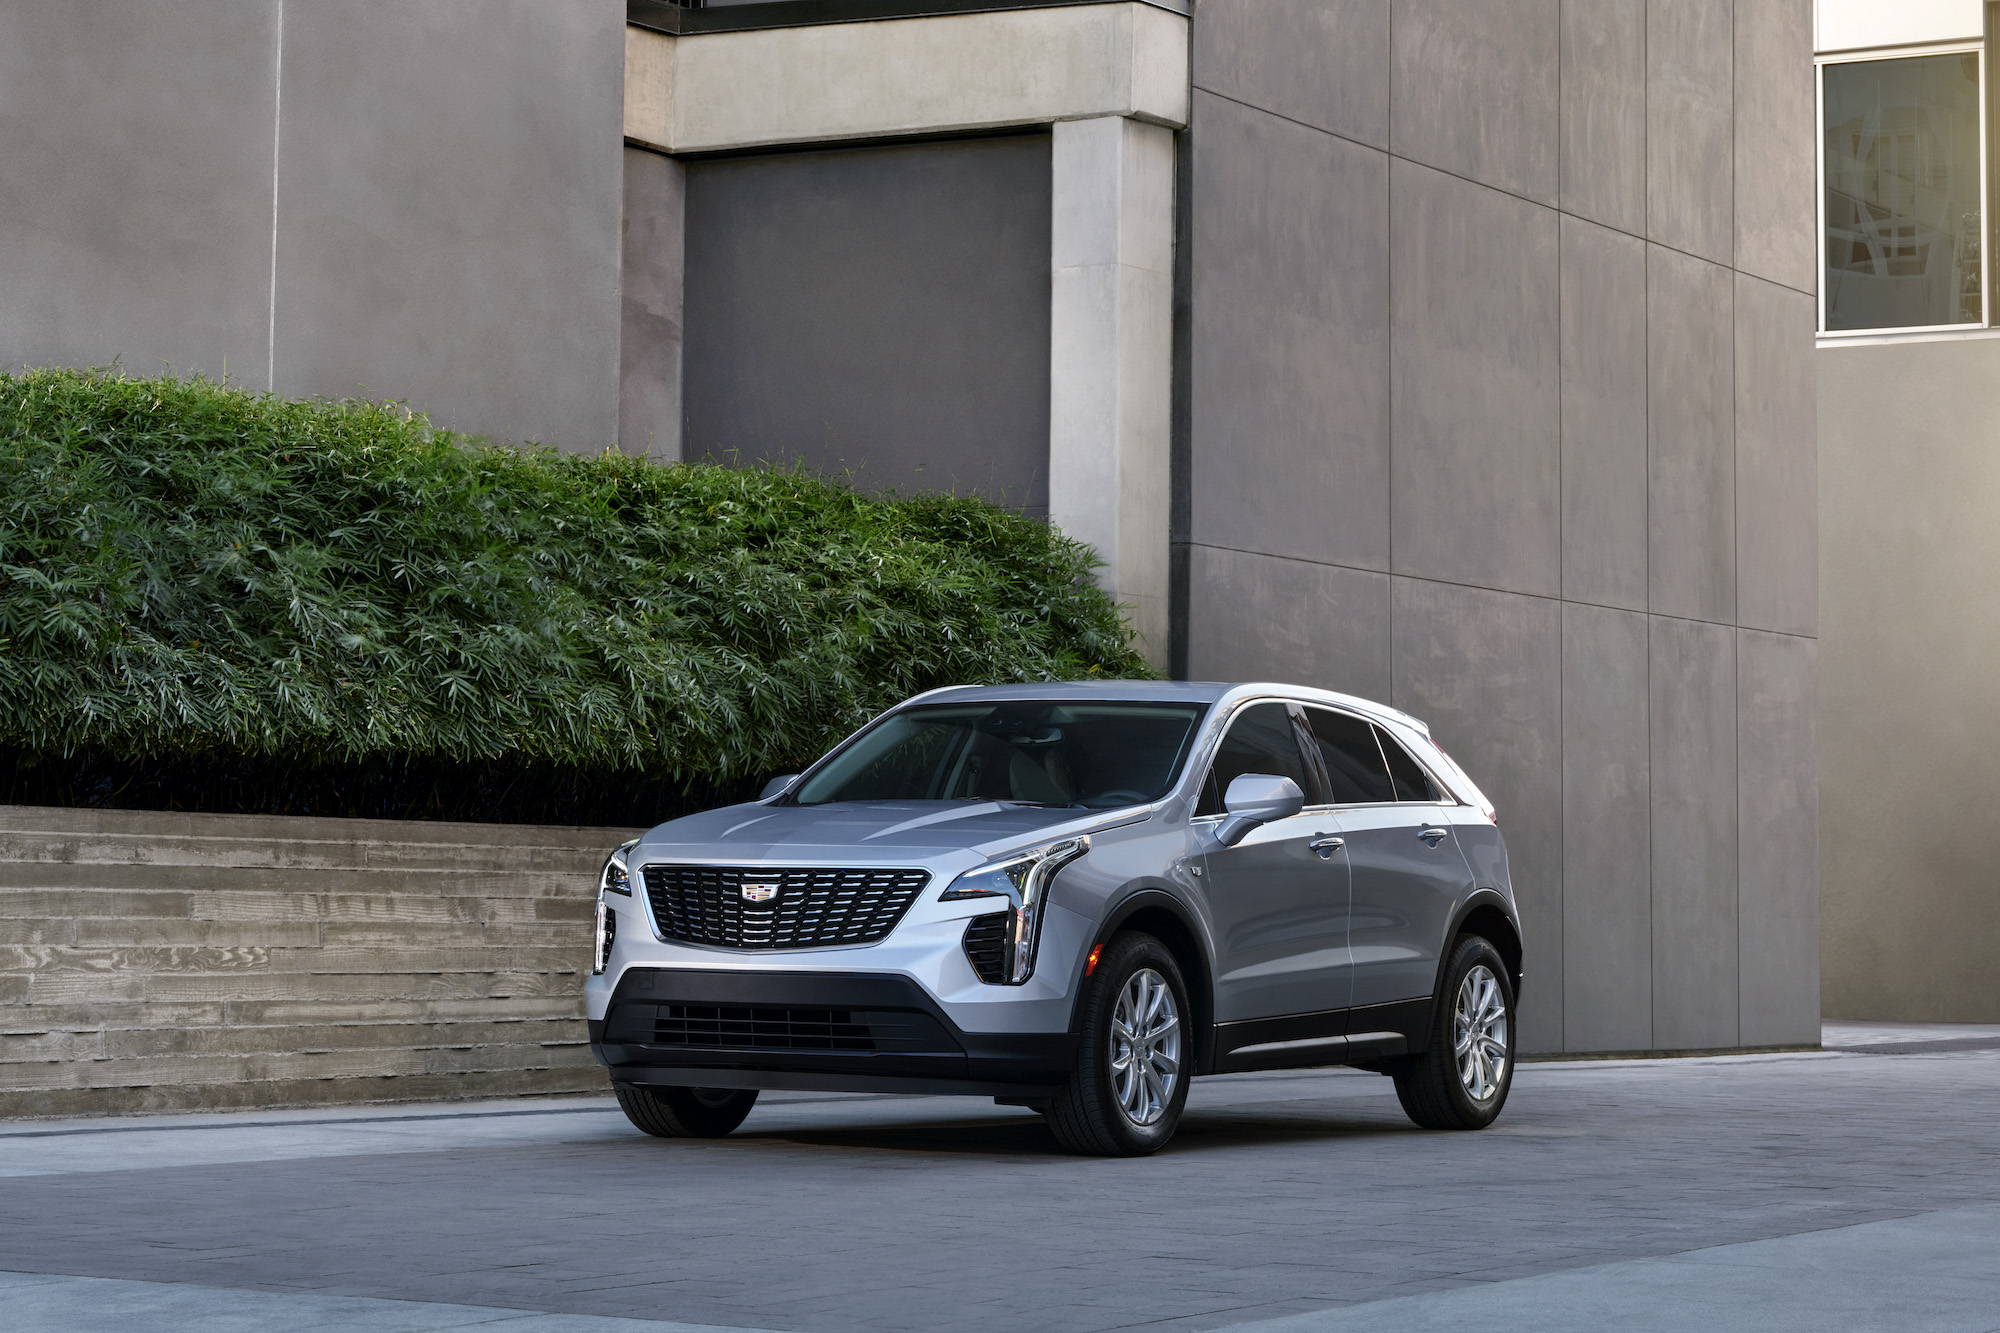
[160,962]
[1909,476]
[377,199]
[880,311]
[1499,407]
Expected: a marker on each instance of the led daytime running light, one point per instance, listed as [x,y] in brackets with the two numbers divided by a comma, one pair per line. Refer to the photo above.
[1023,882]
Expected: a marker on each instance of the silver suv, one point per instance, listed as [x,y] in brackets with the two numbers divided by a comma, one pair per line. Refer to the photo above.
[1071,897]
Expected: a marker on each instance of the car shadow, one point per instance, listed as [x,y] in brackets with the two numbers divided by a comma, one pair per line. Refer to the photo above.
[1029,1136]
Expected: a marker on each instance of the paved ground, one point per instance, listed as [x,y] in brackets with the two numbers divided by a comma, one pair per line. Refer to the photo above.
[1855,1188]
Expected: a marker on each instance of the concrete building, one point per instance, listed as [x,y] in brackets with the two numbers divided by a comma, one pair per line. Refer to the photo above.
[1456,354]
[1909,480]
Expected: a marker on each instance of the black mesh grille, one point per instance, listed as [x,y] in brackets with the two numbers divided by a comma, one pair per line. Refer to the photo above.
[812,906]
[746,1028]
[986,947]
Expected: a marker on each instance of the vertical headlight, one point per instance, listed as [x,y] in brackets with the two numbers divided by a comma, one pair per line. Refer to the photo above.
[1023,883]
[616,877]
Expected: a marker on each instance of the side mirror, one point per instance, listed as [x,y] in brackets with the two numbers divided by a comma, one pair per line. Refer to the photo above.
[776,786]
[1257,798]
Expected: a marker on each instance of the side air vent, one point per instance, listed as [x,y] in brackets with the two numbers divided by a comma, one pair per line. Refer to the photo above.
[986,947]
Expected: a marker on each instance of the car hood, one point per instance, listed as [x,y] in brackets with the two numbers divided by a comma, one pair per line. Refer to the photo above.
[862,828]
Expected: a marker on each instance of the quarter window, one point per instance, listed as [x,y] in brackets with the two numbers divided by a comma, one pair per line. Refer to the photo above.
[1412,782]
[1261,739]
[1350,758]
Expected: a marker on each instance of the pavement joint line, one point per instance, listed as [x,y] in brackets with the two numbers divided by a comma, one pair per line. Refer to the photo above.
[496,1315]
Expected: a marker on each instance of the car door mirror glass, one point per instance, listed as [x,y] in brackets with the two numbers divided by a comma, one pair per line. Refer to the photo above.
[1257,798]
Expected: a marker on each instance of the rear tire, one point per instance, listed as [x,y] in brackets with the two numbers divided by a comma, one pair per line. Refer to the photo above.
[685,1113]
[1461,1080]
[1134,1051]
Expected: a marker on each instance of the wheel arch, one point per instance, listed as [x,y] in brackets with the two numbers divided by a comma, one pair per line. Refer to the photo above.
[1166,918]
[1486,913]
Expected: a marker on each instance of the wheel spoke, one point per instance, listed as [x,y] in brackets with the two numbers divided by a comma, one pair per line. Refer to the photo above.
[1145,1039]
[1479,1033]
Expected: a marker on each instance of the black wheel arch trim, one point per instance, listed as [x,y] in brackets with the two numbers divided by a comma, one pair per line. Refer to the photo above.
[1201,982]
[1478,899]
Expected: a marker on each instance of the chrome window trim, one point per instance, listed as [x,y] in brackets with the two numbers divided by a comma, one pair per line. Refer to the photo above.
[1457,798]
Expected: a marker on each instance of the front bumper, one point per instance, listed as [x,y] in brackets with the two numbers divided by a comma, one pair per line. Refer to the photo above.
[832,1031]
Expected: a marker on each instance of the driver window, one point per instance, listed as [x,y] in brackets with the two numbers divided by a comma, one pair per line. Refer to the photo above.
[1261,739]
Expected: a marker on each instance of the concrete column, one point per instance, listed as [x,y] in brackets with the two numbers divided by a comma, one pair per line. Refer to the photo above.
[1111,356]
[652,283]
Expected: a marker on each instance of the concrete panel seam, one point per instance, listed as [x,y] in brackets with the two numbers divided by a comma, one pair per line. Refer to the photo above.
[1511,592]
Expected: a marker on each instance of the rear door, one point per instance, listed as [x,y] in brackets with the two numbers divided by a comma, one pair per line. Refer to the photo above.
[1278,904]
[1406,874]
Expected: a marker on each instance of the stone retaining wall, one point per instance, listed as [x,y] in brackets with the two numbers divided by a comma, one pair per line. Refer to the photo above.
[155,962]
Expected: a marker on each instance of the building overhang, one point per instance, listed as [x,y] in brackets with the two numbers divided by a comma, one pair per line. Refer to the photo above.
[937,74]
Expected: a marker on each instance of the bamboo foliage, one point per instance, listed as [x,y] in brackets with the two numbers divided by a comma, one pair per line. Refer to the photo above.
[188,568]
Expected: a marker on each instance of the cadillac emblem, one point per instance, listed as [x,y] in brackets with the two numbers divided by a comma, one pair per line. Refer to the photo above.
[761,891]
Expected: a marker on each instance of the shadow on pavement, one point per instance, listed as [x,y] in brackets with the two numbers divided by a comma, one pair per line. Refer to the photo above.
[1029,1136]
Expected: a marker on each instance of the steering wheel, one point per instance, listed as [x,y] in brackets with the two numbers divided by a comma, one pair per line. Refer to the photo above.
[1122,796]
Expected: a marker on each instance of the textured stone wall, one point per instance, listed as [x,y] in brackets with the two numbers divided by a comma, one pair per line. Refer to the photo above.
[154,962]
[372,198]
[1499,408]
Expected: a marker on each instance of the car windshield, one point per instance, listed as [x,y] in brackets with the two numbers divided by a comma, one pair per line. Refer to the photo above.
[1040,752]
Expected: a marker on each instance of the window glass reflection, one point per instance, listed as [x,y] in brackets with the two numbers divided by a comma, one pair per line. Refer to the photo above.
[1902,192]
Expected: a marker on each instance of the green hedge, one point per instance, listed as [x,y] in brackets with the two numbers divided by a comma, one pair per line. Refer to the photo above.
[190,569]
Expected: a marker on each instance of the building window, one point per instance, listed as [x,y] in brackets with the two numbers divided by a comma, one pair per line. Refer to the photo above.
[1902,176]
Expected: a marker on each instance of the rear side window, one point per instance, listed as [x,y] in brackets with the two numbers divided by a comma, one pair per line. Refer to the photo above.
[1412,783]
[1355,773]
[1261,739]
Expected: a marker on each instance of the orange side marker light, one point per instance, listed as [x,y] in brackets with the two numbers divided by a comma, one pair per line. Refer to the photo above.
[1090,963]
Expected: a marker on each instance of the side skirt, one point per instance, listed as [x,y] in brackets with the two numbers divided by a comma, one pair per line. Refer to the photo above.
[1331,1037]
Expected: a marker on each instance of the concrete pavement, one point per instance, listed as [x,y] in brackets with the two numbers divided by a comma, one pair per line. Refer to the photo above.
[1857,1187]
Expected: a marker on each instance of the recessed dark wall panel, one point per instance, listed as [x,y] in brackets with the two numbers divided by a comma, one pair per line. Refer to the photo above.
[882,312]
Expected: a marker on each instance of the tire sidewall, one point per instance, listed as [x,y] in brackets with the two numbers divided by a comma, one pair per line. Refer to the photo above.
[1472,952]
[1127,955]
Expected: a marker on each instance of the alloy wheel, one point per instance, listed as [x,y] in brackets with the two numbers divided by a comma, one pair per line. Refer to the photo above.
[1479,1033]
[1145,1046]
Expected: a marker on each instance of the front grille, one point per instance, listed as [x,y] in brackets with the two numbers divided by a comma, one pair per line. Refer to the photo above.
[720,1028]
[761,1029]
[814,906]
[986,947]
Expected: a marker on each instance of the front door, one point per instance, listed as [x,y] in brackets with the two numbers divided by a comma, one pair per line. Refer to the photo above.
[1277,902]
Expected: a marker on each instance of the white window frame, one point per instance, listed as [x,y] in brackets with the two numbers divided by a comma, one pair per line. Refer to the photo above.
[1819,178]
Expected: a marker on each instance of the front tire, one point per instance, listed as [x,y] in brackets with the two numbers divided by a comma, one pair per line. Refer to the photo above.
[1134,1049]
[685,1113]
[1461,1081]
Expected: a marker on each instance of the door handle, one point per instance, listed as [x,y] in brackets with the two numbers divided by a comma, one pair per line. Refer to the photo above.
[1326,847]
[1434,836]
